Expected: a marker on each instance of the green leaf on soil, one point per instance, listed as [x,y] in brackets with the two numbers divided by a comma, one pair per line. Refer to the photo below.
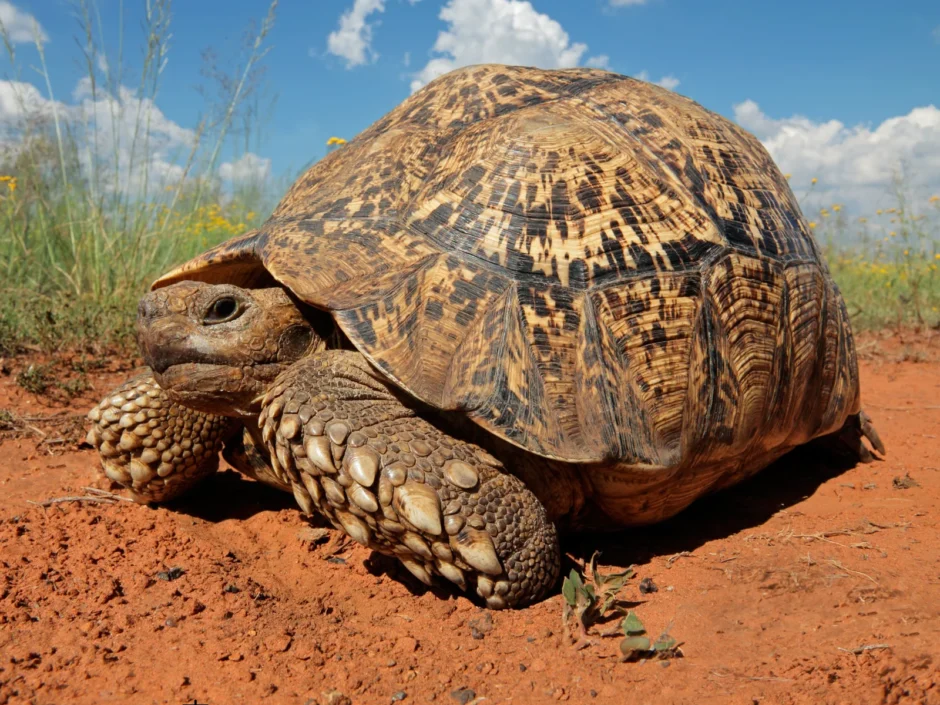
[633,647]
[632,626]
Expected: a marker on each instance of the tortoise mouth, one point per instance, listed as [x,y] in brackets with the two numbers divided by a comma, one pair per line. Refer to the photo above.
[209,387]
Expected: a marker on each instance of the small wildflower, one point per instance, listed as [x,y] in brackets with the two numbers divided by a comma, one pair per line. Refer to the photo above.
[788,177]
[934,198]
[893,234]
[863,220]
[335,140]
[879,212]
[937,256]
[812,223]
[824,213]
[836,207]
[813,180]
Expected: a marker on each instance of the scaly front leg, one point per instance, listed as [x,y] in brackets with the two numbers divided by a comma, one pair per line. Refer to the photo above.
[396,483]
[152,446]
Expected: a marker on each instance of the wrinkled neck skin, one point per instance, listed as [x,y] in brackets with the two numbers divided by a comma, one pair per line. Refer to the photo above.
[218,347]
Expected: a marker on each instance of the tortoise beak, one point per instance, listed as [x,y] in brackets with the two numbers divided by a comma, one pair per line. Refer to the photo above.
[163,343]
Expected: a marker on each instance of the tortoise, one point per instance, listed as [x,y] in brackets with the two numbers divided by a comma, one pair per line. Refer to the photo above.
[524,302]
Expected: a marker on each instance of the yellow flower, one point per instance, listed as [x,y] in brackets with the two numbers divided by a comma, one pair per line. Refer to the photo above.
[335,140]
[836,207]
[906,252]
[879,212]
[892,210]
[937,256]
[823,212]
[892,234]
[11,184]
[813,180]
[812,223]
[934,199]
[787,177]
[863,220]
[5,178]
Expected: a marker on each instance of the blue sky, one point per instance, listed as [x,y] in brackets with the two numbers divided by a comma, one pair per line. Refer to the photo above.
[819,82]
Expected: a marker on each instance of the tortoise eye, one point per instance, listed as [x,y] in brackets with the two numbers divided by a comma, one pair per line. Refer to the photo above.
[222,309]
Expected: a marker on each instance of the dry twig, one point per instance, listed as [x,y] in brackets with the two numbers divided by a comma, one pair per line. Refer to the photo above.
[865,647]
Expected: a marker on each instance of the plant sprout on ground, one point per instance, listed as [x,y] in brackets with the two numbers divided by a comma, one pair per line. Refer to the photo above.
[591,598]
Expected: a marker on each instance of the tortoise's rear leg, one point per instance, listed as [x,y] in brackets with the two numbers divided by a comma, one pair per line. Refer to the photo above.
[851,439]
[396,483]
[152,446]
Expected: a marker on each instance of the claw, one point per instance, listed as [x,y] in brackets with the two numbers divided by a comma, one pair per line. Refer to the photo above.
[869,432]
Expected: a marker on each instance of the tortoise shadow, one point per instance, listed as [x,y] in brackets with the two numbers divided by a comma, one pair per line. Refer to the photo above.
[230,495]
[784,483]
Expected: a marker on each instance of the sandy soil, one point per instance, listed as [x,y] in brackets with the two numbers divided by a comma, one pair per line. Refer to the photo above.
[811,583]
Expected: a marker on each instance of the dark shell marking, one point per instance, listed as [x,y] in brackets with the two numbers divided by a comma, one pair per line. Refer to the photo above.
[589,266]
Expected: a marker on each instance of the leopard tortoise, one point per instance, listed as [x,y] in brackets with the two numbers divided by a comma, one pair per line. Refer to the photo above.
[524,301]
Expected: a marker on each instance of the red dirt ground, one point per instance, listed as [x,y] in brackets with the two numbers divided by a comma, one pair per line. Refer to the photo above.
[777,588]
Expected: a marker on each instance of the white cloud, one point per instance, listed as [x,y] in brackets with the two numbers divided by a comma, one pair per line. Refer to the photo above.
[669,81]
[19,99]
[406,59]
[498,31]
[21,27]
[122,139]
[936,33]
[601,61]
[853,165]
[625,3]
[128,139]
[353,39]
[249,167]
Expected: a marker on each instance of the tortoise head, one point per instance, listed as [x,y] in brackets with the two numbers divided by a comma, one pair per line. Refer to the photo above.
[217,347]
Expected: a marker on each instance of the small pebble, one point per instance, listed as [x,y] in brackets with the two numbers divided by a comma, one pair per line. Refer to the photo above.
[171,574]
[647,586]
[400,695]
[463,695]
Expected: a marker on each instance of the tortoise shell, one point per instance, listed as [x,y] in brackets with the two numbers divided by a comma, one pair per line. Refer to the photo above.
[586,265]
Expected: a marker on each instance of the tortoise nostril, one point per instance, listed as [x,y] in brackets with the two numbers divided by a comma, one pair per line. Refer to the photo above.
[144,308]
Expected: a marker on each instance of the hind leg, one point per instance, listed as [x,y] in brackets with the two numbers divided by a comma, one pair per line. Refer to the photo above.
[851,439]
[154,447]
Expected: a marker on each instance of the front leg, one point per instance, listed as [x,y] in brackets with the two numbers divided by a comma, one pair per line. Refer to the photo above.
[396,483]
[154,447]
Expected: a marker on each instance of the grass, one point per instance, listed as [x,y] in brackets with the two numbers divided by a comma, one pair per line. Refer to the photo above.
[94,203]
[887,264]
